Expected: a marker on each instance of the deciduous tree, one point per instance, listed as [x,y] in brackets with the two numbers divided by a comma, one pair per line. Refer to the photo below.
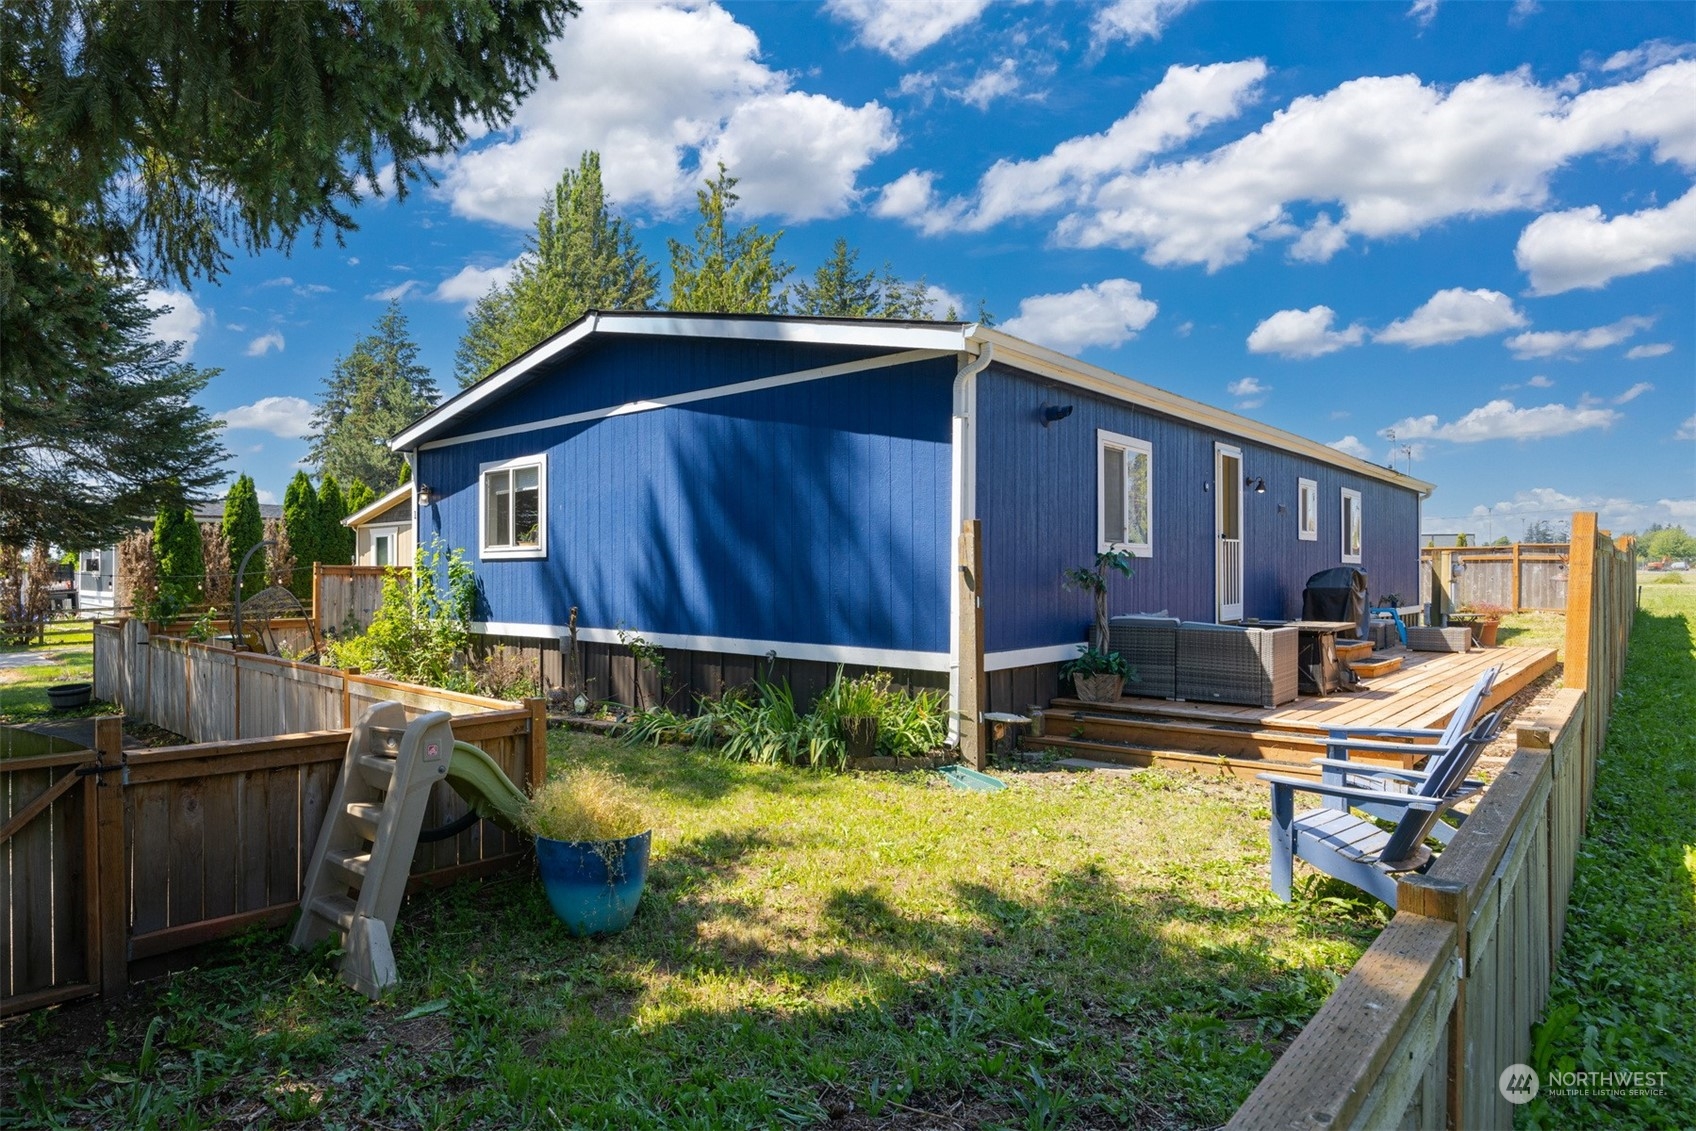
[582,257]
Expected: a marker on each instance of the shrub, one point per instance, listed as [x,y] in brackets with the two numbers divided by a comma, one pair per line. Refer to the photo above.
[505,674]
[423,627]
[584,804]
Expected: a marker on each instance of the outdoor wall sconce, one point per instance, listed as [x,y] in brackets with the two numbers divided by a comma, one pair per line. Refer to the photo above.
[1053,413]
[1259,485]
[425,495]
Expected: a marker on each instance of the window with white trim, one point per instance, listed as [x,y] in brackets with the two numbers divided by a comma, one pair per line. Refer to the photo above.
[382,549]
[1351,526]
[513,506]
[1125,475]
[1307,510]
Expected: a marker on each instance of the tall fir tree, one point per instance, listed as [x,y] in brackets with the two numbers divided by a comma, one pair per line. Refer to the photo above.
[839,289]
[372,393]
[176,549]
[582,257]
[335,540]
[359,496]
[300,520]
[723,271]
[244,528]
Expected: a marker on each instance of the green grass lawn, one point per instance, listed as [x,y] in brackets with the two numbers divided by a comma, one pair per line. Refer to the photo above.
[69,652]
[1080,950]
[1624,994]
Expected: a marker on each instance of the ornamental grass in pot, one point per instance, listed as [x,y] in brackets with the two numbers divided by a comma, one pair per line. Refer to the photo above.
[592,843]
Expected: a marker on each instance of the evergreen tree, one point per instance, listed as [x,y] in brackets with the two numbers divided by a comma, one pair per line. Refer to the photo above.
[374,392]
[199,126]
[582,257]
[300,520]
[726,272]
[176,550]
[359,496]
[840,290]
[243,529]
[335,540]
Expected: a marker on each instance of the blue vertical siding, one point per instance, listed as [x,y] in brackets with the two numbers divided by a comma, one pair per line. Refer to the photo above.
[814,513]
[1037,499]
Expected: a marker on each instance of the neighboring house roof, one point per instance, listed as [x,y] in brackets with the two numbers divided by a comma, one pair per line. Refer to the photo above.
[378,506]
[214,511]
[922,339]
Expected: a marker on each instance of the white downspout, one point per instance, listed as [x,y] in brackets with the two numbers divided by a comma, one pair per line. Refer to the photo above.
[962,506]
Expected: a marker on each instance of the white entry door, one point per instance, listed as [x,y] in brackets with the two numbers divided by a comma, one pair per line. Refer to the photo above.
[1228,523]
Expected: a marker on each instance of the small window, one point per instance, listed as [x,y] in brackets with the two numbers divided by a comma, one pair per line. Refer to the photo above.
[1125,472]
[514,503]
[1307,510]
[380,552]
[1351,526]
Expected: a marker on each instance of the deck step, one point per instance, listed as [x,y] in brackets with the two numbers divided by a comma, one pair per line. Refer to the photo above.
[1134,755]
[1370,669]
[1354,650]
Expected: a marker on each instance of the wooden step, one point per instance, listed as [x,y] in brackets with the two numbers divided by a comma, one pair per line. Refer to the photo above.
[337,909]
[1131,754]
[1369,669]
[1202,737]
[1357,650]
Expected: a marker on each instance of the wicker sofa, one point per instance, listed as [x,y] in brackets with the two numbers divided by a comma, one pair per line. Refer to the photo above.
[1208,663]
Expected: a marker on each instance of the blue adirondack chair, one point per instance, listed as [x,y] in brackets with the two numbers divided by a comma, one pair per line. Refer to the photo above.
[1339,770]
[1355,849]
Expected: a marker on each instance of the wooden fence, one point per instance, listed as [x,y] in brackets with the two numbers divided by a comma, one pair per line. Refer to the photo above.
[1524,577]
[345,598]
[1443,1001]
[112,861]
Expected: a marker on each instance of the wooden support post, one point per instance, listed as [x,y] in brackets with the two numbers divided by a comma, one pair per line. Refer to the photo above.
[317,596]
[1514,582]
[972,682]
[1580,588]
[110,872]
[538,761]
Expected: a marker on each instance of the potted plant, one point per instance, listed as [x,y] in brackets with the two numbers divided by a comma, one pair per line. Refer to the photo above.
[592,843]
[1098,676]
[1484,619]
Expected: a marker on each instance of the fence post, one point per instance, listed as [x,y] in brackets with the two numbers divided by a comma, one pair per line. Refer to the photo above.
[971,705]
[1514,583]
[317,591]
[109,872]
[1580,589]
[538,708]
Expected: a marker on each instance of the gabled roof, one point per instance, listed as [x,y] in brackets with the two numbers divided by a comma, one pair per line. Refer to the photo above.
[379,505]
[965,338]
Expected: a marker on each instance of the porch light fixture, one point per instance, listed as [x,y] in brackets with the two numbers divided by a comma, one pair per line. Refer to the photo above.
[1053,413]
[425,495]
[1259,485]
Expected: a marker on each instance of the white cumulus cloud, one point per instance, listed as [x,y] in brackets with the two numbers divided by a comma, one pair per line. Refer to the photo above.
[1108,313]
[1565,343]
[288,417]
[181,323]
[1303,333]
[1352,445]
[903,28]
[1454,315]
[265,343]
[1578,248]
[1133,21]
[1502,420]
[472,283]
[663,91]
[1250,393]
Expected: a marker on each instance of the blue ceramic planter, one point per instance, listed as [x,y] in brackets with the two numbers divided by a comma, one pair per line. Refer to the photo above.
[594,885]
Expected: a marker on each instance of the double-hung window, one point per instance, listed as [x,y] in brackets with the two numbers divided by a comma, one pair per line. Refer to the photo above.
[1307,510]
[1125,474]
[514,505]
[1351,526]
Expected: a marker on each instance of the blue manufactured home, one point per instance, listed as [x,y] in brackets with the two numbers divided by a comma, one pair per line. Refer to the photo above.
[744,491]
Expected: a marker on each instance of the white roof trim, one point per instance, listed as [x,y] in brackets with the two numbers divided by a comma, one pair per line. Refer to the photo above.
[378,505]
[1020,354]
[948,337]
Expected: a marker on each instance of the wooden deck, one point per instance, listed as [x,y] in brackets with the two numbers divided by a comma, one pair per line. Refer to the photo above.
[1243,740]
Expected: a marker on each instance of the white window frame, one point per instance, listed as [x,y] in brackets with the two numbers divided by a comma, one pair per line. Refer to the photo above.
[540,550]
[387,537]
[1307,510]
[1360,523]
[1129,445]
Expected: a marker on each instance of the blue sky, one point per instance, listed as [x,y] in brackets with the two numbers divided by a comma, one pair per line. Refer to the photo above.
[1459,237]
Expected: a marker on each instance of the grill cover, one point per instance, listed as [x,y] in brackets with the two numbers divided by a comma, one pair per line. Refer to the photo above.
[1336,594]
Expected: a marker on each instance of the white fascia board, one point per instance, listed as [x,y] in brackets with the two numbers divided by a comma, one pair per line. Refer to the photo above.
[945,336]
[1020,354]
[495,384]
[378,506]
[786,650]
[882,361]
[1030,657]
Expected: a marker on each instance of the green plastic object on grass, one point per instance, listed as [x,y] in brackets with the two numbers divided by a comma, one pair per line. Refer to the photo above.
[962,778]
[475,777]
